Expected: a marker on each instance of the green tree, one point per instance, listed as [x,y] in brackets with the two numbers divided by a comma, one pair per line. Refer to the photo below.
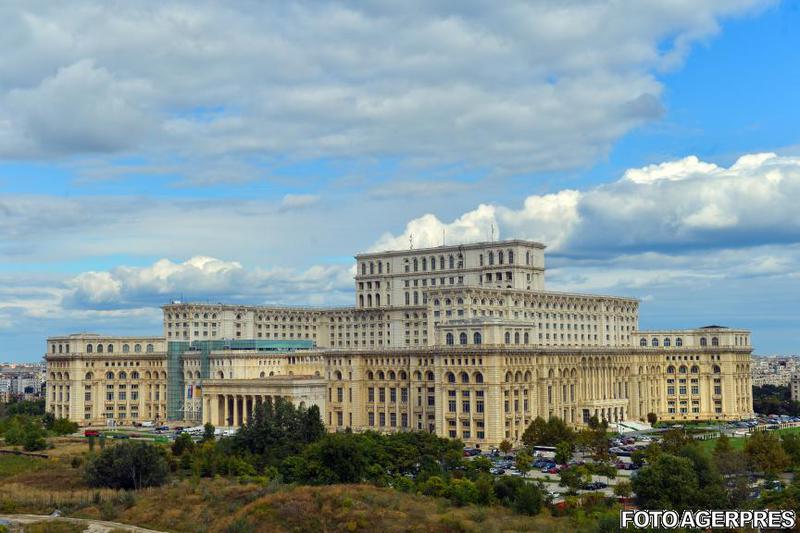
[434,486]
[535,432]
[765,453]
[652,418]
[594,422]
[209,432]
[564,451]
[505,446]
[668,483]
[183,443]
[523,461]
[637,458]
[623,489]
[528,499]
[63,426]
[791,445]
[462,492]
[574,478]
[674,440]
[129,465]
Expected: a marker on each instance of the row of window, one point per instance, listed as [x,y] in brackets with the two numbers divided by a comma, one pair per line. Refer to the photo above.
[137,348]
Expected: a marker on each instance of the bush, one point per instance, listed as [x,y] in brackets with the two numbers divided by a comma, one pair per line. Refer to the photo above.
[130,465]
[63,426]
[528,500]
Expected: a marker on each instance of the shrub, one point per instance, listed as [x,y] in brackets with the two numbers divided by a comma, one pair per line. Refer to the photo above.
[130,465]
[63,426]
[528,499]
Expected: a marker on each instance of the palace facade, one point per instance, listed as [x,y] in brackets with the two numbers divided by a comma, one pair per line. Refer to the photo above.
[463,341]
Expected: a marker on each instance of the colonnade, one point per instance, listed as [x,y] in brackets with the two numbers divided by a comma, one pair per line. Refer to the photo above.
[235,410]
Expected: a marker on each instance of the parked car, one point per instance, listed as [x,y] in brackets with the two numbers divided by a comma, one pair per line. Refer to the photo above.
[91,433]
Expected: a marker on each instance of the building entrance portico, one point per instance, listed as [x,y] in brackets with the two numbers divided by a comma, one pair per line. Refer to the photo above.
[233,402]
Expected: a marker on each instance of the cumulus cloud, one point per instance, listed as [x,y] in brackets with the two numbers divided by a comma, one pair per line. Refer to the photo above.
[207,279]
[516,86]
[681,204]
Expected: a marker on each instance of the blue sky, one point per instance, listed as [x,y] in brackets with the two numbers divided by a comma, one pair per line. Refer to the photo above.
[224,153]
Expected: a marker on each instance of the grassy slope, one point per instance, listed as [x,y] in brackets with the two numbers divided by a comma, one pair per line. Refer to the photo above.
[222,506]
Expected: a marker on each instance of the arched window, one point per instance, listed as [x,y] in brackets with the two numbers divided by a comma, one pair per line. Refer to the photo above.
[99,348]
[527,258]
[527,338]
[109,375]
[716,369]
[714,341]
[135,375]
[363,269]
[110,348]
[429,375]
[703,341]
[149,348]
[361,300]
[123,375]
[88,376]
[89,348]
[508,337]
[371,267]
[654,342]
[391,375]
[695,369]
[451,378]
[338,374]
[416,298]
[478,377]
[682,369]
[667,342]
[403,376]
[670,369]
[137,348]
[408,298]
[452,262]
[424,263]
[491,258]
[370,375]
[462,339]
[476,338]
[377,300]
[464,377]
[441,262]
[416,264]
[679,342]
[511,257]
[516,337]
[126,348]
[369,300]
[381,375]
[642,342]
[449,338]
[500,257]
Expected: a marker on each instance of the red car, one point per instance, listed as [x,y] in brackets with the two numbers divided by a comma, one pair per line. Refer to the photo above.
[91,433]
[554,470]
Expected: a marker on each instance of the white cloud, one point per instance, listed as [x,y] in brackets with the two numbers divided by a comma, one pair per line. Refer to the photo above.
[514,87]
[298,201]
[206,278]
[676,204]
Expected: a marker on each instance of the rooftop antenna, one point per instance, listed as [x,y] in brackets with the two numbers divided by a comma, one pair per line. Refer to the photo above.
[444,241]
[492,232]
[411,241]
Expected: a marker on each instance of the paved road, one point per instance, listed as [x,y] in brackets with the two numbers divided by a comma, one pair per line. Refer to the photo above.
[92,526]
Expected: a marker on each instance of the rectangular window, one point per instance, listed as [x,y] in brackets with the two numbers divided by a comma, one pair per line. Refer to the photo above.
[382,419]
[371,417]
[371,394]
[393,419]
[382,395]
[451,406]
[393,395]
[404,395]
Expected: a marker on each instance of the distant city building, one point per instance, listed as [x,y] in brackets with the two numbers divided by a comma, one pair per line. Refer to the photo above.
[21,381]
[462,341]
[773,370]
